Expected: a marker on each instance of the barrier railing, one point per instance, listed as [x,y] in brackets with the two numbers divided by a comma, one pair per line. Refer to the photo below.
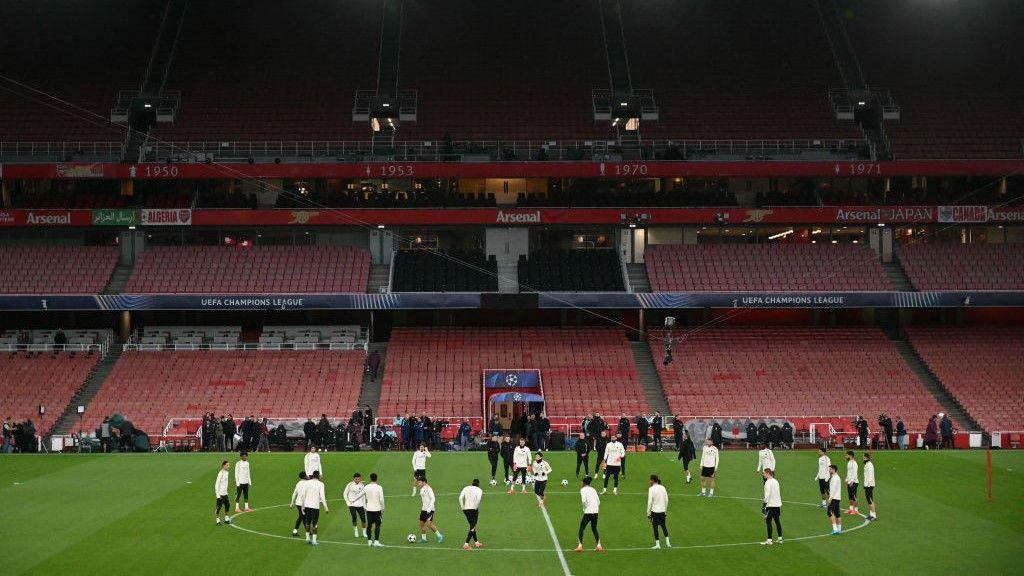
[247,346]
[62,150]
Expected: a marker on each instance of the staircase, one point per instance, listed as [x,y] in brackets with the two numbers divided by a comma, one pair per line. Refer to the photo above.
[508,278]
[934,385]
[69,420]
[118,279]
[370,391]
[656,400]
[380,277]
[897,276]
[638,280]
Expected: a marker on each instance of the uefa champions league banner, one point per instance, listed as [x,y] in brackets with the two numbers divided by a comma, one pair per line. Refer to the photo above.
[471,300]
[512,379]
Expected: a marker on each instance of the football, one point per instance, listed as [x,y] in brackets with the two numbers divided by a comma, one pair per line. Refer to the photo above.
[411,538]
[565,482]
[494,482]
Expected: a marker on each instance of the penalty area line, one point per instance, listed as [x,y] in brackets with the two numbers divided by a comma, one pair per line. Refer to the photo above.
[554,538]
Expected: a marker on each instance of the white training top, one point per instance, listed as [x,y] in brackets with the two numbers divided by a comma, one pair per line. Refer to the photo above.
[772,493]
[355,494]
[869,474]
[242,473]
[834,485]
[427,498]
[300,486]
[851,471]
[709,457]
[469,498]
[521,457]
[614,452]
[765,459]
[419,459]
[312,463]
[220,486]
[541,470]
[591,501]
[823,464]
[374,496]
[657,499]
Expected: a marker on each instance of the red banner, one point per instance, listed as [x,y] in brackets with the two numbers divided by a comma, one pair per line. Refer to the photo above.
[846,215]
[642,169]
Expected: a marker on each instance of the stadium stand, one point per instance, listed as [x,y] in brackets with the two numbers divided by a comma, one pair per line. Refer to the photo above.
[740,70]
[727,267]
[150,388]
[50,379]
[964,266]
[981,367]
[235,269]
[964,95]
[454,271]
[791,372]
[571,271]
[541,88]
[259,43]
[72,77]
[56,269]
[80,198]
[439,371]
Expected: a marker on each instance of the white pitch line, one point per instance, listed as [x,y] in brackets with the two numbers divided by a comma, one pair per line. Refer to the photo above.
[554,538]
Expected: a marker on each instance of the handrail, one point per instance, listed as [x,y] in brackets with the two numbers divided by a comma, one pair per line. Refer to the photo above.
[245,346]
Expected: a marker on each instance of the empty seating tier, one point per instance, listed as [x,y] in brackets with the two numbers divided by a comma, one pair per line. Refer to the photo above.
[981,367]
[731,267]
[237,269]
[571,271]
[439,371]
[734,70]
[791,372]
[150,388]
[964,266]
[32,379]
[439,271]
[56,269]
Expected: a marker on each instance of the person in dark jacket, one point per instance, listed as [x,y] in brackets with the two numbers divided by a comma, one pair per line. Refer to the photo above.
[230,428]
[656,426]
[931,433]
[594,427]
[687,452]
[901,433]
[886,423]
[506,449]
[677,433]
[599,445]
[624,429]
[946,429]
[494,427]
[308,430]
[641,429]
[862,432]
[324,432]
[716,435]
[545,430]
[367,423]
[464,434]
[582,456]
[493,453]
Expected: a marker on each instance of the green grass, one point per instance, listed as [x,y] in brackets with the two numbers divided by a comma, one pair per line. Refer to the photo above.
[153,513]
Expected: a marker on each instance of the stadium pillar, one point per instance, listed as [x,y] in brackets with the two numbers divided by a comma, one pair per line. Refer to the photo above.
[125,326]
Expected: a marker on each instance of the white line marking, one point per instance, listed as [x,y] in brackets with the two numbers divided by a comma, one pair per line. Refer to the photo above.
[362,543]
[554,538]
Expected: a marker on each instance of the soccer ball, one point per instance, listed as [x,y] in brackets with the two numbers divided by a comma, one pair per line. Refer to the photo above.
[494,482]
[565,482]
[508,481]
[411,538]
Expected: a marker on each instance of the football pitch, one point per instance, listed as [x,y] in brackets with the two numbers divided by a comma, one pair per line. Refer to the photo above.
[153,514]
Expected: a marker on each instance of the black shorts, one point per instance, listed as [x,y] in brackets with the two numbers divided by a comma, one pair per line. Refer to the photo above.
[610,470]
[373,516]
[869,494]
[471,516]
[426,516]
[851,491]
[242,489]
[419,474]
[833,508]
[658,518]
[772,512]
[823,486]
[357,511]
[310,516]
[707,472]
[539,486]
[223,501]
